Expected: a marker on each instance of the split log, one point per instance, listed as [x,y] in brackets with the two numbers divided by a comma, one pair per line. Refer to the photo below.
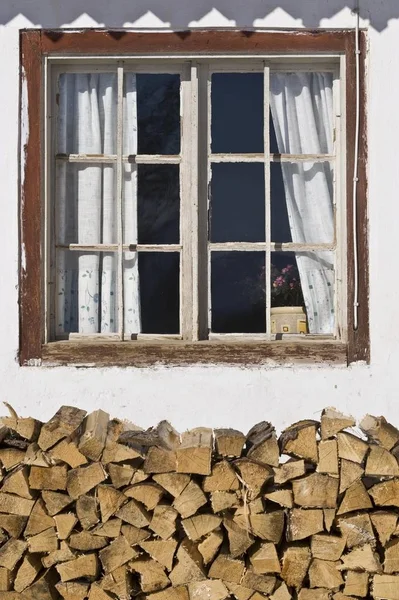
[190,500]
[268,526]
[222,479]
[27,428]
[73,590]
[357,584]
[92,441]
[64,554]
[384,523]
[238,591]
[152,575]
[11,553]
[83,567]
[82,480]
[67,452]
[254,475]
[110,529]
[351,447]
[163,521]
[39,519]
[11,457]
[159,460]
[110,501]
[133,513]
[27,572]
[116,453]
[295,565]
[55,501]
[261,583]
[325,574]
[328,457]
[189,565]
[118,583]
[227,569]
[121,475]
[304,523]
[173,483]
[386,587]
[380,431]
[391,558]
[239,539]
[209,547]
[262,444]
[43,588]
[361,559]
[381,463]
[316,491]
[221,501]
[327,547]
[134,535]
[194,453]
[350,473]
[357,530]
[162,551]
[198,526]
[17,482]
[289,470]
[46,541]
[300,440]
[356,498]
[96,593]
[86,510]
[333,421]
[281,593]
[5,580]
[229,442]
[148,494]
[265,559]
[211,589]
[48,478]
[65,421]
[64,524]
[179,592]
[386,493]
[86,541]
[314,594]
[14,505]
[329,516]
[281,497]
[13,524]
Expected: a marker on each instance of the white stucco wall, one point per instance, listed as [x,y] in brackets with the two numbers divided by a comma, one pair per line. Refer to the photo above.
[215,396]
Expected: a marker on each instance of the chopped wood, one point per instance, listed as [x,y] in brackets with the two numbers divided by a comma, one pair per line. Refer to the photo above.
[300,440]
[110,529]
[281,497]
[133,513]
[5,580]
[328,457]
[134,535]
[325,574]
[386,587]
[83,567]
[329,516]
[314,594]
[211,589]
[117,553]
[351,447]
[86,510]
[198,526]
[295,565]
[327,547]
[238,591]
[92,441]
[254,475]
[15,505]
[110,501]
[289,470]
[391,558]
[268,526]
[148,494]
[121,475]
[265,559]
[229,442]
[227,569]
[209,547]
[27,428]
[163,521]
[84,479]
[118,582]
[64,524]
[11,552]
[194,453]
[86,541]
[262,444]
[357,584]
[386,493]
[48,478]
[43,588]
[357,530]
[239,539]
[159,460]
[222,479]
[13,524]
[349,473]
[281,593]
[179,592]
[355,498]
[316,491]
[384,523]
[253,507]
[381,463]
[97,593]
[223,500]
[35,456]
[162,551]
[73,590]
[55,501]
[303,523]
[361,559]
[163,436]
[116,453]
[260,583]
[11,457]
[65,421]
[380,431]
[333,421]
[190,500]
[17,483]
[152,575]
[46,541]
[173,483]
[68,453]
[189,565]
[57,556]
[39,519]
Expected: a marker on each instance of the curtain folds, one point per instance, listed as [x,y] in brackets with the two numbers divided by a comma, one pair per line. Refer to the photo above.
[302,112]
[87,295]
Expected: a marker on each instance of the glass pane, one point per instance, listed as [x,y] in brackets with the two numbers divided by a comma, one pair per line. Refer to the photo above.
[237,113]
[158,113]
[302,202]
[302,113]
[238,292]
[237,207]
[87,113]
[302,292]
[158,204]
[160,292]
[86,292]
[85,203]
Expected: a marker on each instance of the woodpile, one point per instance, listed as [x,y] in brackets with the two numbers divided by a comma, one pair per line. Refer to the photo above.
[96,508]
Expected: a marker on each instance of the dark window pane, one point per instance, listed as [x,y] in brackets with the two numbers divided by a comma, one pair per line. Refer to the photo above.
[159,292]
[237,209]
[302,202]
[238,292]
[273,139]
[158,204]
[237,112]
[158,113]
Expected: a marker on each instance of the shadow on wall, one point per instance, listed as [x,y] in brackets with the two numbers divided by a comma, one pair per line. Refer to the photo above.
[180,13]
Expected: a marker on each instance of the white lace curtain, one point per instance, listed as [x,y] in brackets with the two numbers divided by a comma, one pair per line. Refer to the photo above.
[87,294]
[302,112]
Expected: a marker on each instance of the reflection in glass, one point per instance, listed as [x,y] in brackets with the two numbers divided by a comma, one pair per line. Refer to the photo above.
[158,204]
[159,292]
[237,113]
[158,113]
[305,279]
[238,292]
[302,202]
[237,208]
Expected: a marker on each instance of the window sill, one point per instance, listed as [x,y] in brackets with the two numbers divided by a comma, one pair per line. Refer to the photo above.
[178,353]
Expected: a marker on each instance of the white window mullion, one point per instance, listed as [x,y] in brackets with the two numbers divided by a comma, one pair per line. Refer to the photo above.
[119,199]
[266,141]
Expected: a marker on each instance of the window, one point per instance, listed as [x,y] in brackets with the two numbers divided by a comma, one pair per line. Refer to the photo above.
[191,204]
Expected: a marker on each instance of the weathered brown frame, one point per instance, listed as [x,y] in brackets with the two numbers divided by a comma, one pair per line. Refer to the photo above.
[35,45]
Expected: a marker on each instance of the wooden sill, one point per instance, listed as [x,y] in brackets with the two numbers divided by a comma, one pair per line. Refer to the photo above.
[178,353]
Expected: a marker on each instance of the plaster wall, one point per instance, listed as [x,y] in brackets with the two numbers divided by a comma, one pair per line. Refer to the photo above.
[215,396]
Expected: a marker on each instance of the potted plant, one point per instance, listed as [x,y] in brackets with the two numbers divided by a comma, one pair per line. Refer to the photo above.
[287,312]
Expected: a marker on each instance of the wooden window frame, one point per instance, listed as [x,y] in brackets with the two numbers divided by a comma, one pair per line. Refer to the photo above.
[36,47]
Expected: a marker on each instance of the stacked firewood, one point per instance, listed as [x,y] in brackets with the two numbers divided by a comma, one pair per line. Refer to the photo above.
[100,509]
